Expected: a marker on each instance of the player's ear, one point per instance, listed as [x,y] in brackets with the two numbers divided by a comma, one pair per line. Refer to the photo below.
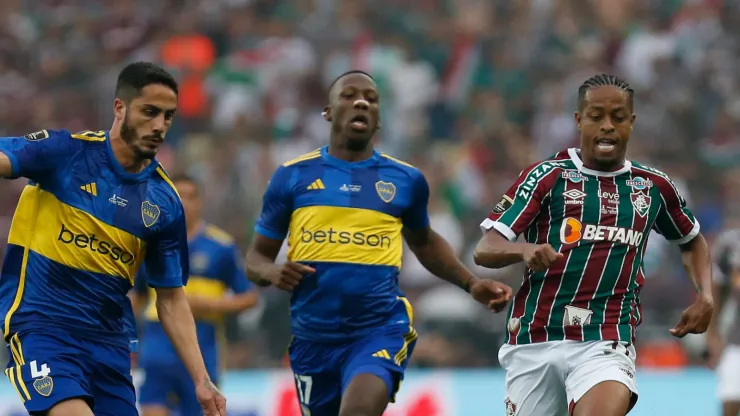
[119,109]
[578,119]
[327,113]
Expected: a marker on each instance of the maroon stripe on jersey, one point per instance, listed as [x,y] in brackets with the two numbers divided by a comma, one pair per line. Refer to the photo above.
[614,305]
[520,301]
[533,206]
[600,251]
[596,260]
[673,202]
[554,275]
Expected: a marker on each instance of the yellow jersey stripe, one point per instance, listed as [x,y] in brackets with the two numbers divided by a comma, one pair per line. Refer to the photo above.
[308,156]
[17,350]
[345,235]
[21,384]
[400,162]
[28,205]
[10,373]
[74,238]
[409,308]
[90,136]
[167,179]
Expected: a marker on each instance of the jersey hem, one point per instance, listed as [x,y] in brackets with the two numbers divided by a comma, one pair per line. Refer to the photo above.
[565,335]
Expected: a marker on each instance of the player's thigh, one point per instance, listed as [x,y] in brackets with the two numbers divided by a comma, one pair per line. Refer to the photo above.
[601,380]
[317,378]
[383,354]
[47,370]
[535,379]
[113,391]
[728,375]
[366,395]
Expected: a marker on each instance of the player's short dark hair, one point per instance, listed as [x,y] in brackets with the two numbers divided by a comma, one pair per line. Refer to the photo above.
[350,72]
[602,80]
[134,77]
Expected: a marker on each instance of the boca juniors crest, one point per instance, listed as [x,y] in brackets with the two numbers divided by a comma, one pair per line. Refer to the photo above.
[149,213]
[641,202]
[386,190]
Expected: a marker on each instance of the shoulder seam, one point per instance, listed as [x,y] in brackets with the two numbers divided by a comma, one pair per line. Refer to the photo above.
[307,156]
[399,161]
[90,136]
[160,170]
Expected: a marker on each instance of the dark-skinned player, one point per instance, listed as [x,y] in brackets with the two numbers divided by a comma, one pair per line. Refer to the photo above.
[346,209]
[586,215]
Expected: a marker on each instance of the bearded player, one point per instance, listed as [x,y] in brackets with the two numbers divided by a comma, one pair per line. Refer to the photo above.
[345,209]
[97,207]
[586,214]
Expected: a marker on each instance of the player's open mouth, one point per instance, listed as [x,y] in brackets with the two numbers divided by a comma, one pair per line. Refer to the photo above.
[606,145]
[359,122]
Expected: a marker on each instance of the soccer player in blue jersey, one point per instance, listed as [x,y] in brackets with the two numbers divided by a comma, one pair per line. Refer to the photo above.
[345,209]
[215,268]
[97,206]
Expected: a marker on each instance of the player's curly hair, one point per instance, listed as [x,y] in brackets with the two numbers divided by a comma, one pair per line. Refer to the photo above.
[602,80]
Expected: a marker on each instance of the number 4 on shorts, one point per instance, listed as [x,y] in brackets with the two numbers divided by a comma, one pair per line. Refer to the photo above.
[39,373]
[303,385]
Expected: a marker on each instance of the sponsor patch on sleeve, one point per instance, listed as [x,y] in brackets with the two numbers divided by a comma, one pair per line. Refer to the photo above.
[503,205]
[39,135]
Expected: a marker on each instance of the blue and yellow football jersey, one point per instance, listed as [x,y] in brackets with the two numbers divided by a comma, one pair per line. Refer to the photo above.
[82,229]
[344,219]
[216,268]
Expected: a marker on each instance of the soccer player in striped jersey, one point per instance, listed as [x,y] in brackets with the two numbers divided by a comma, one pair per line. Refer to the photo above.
[98,206]
[345,209]
[586,214]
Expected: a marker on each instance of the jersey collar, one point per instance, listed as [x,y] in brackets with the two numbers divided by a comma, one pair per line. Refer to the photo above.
[121,172]
[576,158]
[343,163]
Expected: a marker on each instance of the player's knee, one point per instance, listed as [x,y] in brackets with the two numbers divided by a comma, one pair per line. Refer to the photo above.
[608,398]
[71,407]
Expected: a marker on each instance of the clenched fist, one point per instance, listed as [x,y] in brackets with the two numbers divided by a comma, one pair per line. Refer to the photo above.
[540,257]
[288,275]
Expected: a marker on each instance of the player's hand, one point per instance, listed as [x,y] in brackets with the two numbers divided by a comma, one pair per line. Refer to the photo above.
[495,295]
[210,399]
[539,257]
[288,275]
[695,319]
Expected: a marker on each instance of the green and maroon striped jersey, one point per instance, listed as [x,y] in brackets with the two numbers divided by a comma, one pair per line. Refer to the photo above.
[600,222]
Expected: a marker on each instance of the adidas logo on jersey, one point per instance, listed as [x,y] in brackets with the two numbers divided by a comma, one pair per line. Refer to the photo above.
[90,188]
[572,231]
[382,354]
[317,184]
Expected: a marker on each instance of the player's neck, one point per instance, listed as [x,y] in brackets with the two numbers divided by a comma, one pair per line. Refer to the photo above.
[338,148]
[125,155]
[601,167]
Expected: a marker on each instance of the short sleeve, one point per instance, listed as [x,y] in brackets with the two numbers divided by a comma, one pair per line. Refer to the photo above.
[277,206]
[521,203]
[675,221]
[416,216]
[36,154]
[167,258]
[234,272]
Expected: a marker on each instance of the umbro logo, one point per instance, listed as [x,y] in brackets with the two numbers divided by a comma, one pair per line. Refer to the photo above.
[317,184]
[574,197]
[90,188]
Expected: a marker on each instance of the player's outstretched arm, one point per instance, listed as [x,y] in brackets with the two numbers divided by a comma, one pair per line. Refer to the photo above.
[494,251]
[437,256]
[698,265]
[263,271]
[34,155]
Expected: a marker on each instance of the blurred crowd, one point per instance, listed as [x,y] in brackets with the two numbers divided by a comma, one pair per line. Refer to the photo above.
[472,91]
